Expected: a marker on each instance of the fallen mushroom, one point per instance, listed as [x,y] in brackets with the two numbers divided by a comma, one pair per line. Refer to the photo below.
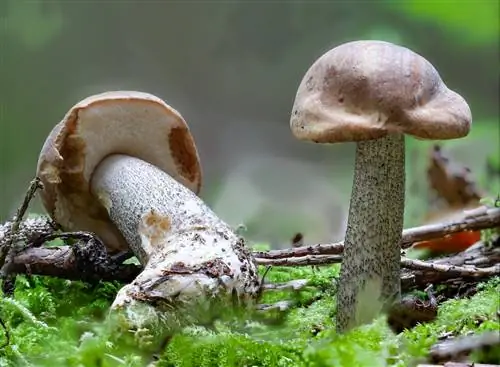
[373,93]
[124,166]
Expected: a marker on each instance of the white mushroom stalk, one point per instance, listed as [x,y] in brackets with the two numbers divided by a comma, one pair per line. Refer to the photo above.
[373,93]
[124,166]
[191,258]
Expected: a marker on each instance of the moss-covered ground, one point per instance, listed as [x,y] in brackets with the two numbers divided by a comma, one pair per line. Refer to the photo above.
[53,322]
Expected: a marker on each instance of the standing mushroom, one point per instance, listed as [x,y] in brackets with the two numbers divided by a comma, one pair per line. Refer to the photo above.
[373,93]
[124,166]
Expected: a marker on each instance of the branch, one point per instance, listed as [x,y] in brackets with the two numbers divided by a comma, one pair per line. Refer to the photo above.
[295,285]
[452,270]
[7,246]
[463,266]
[301,261]
[280,305]
[458,347]
[63,262]
[473,220]
[418,274]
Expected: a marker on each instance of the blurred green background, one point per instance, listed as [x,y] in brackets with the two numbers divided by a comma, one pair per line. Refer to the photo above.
[232,69]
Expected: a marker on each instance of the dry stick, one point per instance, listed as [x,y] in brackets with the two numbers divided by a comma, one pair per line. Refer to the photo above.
[301,261]
[405,263]
[455,268]
[280,305]
[321,249]
[419,273]
[62,262]
[294,285]
[477,219]
[7,248]
[452,270]
[458,347]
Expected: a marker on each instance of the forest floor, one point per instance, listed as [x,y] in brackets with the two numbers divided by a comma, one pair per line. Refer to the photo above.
[55,322]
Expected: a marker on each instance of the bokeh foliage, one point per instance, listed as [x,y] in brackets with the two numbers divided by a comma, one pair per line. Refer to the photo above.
[233,64]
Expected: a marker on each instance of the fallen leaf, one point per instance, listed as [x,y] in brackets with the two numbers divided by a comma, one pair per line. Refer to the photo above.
[451,243]
[455,191]
[451,181]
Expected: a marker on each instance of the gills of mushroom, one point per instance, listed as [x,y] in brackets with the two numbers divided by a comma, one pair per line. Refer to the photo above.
[373,93]
[124,166]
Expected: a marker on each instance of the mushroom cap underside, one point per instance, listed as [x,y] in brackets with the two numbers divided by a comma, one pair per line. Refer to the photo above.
[118,122]
[363,90]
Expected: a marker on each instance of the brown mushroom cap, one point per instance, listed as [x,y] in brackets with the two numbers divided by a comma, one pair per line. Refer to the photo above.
[363,90]
[119,122]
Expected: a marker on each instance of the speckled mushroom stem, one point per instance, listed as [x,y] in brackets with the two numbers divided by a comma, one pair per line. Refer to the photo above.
[370,271]
[191,258]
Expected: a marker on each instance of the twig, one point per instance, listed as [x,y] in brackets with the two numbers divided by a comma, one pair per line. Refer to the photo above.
[452,270]
[321,249]
[486,256]
[458,347]
[6,247]
[7,251]
[294,285]
[281,306]
[419,274]
[64,262]
[301,261]
[477,219]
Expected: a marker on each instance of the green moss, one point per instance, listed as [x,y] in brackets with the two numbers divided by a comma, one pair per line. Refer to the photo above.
[66,327]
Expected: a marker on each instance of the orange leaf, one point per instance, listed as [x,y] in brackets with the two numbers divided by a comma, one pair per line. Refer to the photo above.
[456,242]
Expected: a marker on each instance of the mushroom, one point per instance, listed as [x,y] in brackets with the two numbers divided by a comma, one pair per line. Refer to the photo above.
[123,165]
[373,93]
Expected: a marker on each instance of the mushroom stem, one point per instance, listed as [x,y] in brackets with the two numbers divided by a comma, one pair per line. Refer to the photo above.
[370,271]
[190,256]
